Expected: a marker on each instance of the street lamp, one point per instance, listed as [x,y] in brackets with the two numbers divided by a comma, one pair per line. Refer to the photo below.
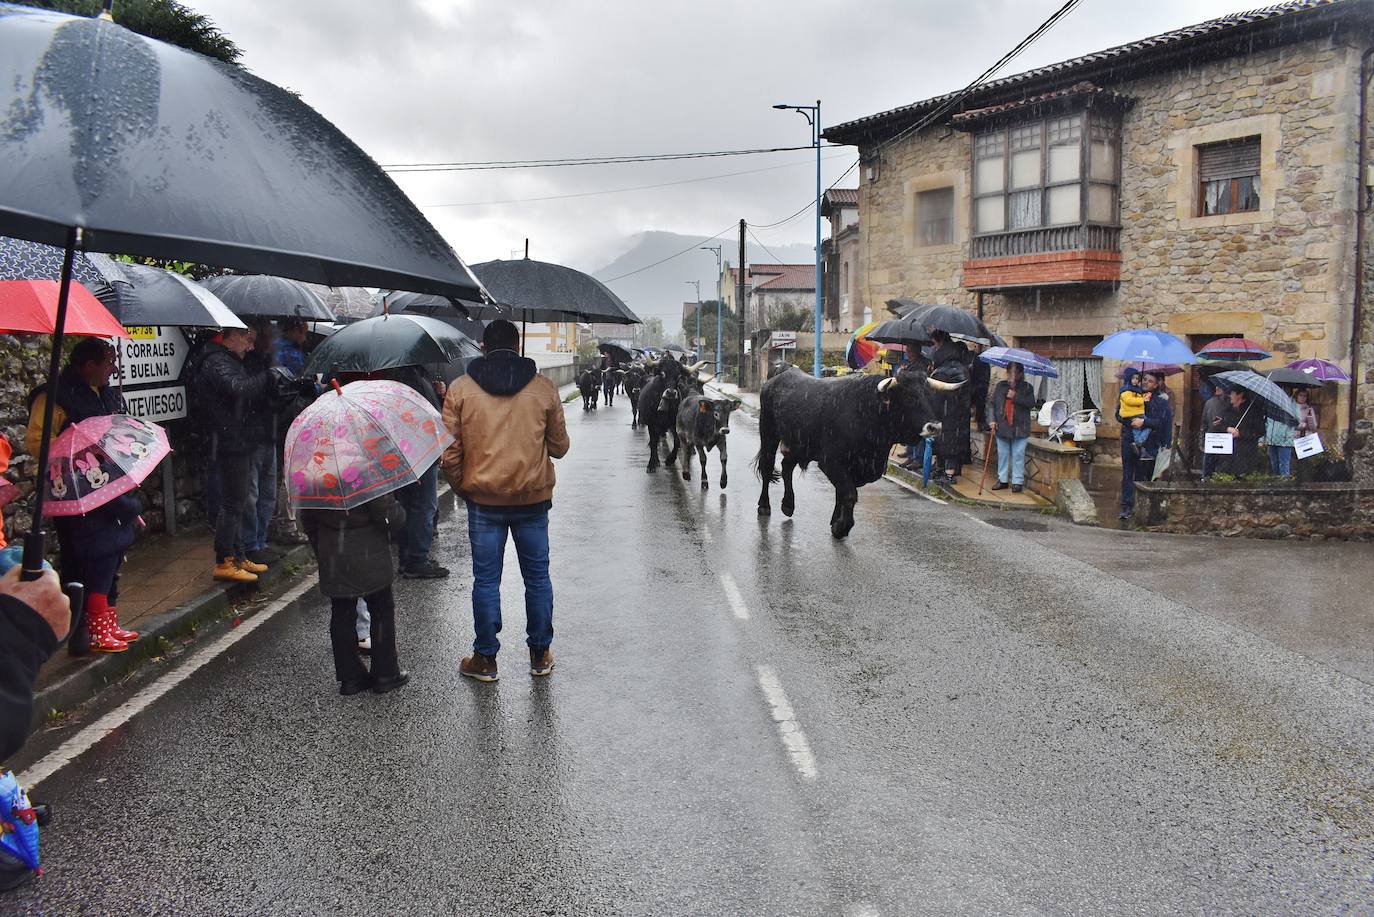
[716,249]
[696,284]
[812,114]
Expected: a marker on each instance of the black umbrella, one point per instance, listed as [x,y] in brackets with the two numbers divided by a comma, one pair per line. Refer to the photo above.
[465,316]
[618,353]
[537,291]
[1286,376]
[900,331]
[151,296]
[349,304]
[948,319]
[119,143]
[262,296]
[389,341]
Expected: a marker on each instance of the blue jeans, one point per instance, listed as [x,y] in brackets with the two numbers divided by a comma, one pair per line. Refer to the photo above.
[262,496]
[1011,460]
[419,500]
[1281,460]
[1210,461]
[529,527]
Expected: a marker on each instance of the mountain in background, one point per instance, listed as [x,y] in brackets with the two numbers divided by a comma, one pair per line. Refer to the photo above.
[660,291]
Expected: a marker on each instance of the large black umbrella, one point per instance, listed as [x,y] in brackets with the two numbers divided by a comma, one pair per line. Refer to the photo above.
[151,296]
[537,291]
[937,317]
[349,304]
[389,341]
[115,142]
[465,316]
[618,352]
[262,296]
[906,331]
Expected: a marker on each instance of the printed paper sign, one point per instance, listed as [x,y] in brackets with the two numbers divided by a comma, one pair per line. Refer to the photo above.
[1218,444]
[1308,446]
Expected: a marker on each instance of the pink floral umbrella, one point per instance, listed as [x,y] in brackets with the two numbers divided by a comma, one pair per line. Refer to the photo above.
[100,458]
[361,441]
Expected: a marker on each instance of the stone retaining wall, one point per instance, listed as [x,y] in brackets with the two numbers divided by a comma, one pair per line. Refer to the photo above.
[1257,510]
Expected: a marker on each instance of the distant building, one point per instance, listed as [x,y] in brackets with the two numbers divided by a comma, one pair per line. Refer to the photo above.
[775,286]
[551,337]
[842,300]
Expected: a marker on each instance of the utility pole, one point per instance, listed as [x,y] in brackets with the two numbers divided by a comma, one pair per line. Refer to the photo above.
[740,307]
[716,250]
[696,285]
[812,114]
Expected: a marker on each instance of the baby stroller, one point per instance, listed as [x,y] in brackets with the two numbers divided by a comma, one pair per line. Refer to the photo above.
[1076,427]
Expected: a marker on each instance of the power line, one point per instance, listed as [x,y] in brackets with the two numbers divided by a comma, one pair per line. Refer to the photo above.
[749,229]
[404,167]
[689,248]
[666,184]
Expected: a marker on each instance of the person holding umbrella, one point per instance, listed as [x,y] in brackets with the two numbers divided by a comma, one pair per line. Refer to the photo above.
[1246,426]
[1213,421]
[1138,460]
[1009,419]
[949,363]
[90,546]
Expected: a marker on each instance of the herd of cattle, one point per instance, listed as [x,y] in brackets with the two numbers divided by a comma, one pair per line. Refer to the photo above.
[846,425]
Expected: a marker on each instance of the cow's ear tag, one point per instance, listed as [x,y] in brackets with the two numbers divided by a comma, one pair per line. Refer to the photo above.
[701,408]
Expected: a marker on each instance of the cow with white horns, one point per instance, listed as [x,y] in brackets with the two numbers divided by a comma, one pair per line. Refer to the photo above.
[846,425]
[702,425]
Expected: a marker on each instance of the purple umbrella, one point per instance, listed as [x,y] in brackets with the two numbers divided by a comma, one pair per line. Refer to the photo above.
[1320,370]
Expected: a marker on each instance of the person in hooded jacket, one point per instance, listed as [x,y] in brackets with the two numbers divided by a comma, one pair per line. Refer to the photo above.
[353,549]
[949,363]
[507,426]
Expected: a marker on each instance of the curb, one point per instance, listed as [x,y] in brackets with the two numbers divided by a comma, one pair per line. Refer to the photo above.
[211,606]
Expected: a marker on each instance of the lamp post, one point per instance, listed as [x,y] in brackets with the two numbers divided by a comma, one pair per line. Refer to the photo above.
[812,114]
[696,285]
[716,249]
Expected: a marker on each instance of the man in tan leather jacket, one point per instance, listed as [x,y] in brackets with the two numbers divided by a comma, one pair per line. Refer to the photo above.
[507,425]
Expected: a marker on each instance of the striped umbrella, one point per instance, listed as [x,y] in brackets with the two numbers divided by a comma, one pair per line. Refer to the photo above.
[1032,363]
[1234,349]
[1274,401]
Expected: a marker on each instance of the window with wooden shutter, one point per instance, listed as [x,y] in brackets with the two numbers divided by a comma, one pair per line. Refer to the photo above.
[1229,176]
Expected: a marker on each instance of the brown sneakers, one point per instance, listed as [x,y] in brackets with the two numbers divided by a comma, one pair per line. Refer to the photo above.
[479,667]
[230,572]
[541,661]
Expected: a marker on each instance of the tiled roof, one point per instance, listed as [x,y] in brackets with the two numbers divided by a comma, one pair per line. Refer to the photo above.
[1282,23]
[842,196]
[792,277]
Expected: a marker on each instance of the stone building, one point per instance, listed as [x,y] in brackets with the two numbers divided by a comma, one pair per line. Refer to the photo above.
[842,299]
[1206,182]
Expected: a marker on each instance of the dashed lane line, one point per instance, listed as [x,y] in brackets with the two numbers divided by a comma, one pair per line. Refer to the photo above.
[732,594]
[87,738]
[789,730]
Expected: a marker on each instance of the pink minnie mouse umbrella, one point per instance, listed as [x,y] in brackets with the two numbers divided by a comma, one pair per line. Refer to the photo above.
[101,458]
[361,441]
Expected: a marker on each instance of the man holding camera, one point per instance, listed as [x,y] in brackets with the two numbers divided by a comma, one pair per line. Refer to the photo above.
[234,394]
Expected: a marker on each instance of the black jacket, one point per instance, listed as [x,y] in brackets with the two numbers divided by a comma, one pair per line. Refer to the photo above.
[1022,401]
[26,642]
[227,392]
[353,546]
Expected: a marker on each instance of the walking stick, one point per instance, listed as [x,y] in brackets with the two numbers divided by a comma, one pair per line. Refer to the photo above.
[987,454]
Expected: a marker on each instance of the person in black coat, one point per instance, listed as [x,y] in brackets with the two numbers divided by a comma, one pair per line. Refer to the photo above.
[1137,464]
[1009,418]
[227,393]
[949,363]
[1245,422]
[353,548]
[34,615]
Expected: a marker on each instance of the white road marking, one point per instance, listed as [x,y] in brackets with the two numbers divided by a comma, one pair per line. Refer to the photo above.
[732,593]
[78,744]
[705,533]
[860,909]
[793,739]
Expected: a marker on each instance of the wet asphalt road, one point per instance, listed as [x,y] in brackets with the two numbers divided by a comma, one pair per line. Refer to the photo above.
[934,716]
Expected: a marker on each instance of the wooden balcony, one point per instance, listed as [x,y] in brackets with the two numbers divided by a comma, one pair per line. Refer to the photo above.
[1046,256]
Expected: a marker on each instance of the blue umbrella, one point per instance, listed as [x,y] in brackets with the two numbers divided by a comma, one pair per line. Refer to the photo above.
[1032,363]
[18,822]
[1144,346]
[1274,401]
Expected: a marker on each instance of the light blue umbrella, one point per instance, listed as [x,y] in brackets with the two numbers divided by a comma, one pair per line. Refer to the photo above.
[1032,363]
[1144,346]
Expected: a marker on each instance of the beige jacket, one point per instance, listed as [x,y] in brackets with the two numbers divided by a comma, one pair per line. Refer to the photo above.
[503,444]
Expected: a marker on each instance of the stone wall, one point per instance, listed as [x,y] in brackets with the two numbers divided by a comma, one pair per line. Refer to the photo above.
[1257,510]
[1282,275]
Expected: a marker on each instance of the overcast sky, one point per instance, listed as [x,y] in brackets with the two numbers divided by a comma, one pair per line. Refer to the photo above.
[465,80]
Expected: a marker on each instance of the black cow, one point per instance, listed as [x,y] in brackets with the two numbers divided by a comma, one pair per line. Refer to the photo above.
[658,403]
[610,380]
[589,384]
[846,425]
[703,424]
[634,384]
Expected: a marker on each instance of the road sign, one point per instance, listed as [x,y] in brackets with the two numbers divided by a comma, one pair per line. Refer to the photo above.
[780,340]
[167,402]
[152,354]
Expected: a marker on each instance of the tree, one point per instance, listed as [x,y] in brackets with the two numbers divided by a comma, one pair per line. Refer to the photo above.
[652,332]
[165,20]
[728,323]
[791,317]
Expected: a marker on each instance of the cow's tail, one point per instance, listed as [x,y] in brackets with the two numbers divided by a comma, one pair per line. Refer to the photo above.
[768,442]
[773,476]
